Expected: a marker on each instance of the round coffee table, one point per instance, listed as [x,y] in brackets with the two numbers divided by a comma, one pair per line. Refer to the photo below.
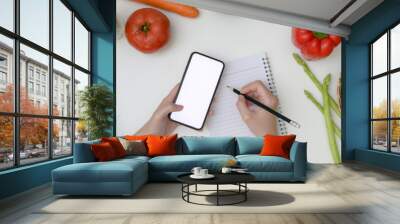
[238,179]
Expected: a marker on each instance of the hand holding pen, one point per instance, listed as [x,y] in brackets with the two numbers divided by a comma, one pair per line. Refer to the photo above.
[261,118]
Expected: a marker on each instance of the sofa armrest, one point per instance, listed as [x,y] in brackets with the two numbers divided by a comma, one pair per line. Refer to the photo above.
[83,152]
[298,155]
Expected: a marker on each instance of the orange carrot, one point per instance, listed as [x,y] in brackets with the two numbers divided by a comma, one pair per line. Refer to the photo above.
[181,9]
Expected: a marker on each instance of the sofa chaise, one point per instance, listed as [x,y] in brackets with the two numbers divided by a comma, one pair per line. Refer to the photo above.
[125,176]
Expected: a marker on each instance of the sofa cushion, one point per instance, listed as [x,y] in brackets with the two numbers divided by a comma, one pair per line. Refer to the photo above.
[136,137]
[257,163]
[277,145]
[134,147]
[249,145]
[185,163]
[111,171]
[116,145]
[196,145]
[161,145]
[103,152]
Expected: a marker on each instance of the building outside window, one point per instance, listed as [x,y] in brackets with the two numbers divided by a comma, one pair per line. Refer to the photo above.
[30,72]
[3,81]
[3,60]
[44,77]
[3,72]
[58,127]
[55,96]
[3,78]
[30,87]
[37,74]
[385,91]
[43,90]
[38,89]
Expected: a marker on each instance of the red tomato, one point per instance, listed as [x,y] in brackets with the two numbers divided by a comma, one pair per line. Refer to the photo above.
[147,30]
[314,45]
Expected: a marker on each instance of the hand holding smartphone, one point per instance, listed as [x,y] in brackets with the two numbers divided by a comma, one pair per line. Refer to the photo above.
[197,89]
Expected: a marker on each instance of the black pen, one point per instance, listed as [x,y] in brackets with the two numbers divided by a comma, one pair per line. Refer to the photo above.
[265,107]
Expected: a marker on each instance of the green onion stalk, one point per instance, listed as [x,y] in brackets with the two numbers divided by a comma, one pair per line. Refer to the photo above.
[309,95]
[317,83]
[330,127]
[325,108]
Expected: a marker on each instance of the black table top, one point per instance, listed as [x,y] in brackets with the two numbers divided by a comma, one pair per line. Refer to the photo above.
[220,178]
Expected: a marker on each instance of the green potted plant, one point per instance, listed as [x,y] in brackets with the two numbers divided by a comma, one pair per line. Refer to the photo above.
[96,102]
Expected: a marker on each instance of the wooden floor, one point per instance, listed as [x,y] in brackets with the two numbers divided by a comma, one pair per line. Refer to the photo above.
[377,188]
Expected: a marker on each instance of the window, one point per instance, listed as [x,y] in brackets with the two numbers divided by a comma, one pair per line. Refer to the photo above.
[81,81]
[7,14]
[30,87]
[45,124]
[6,143]
[3,61]
[62,137]
[3,72]
[6,73]
[44,91]
[33,149]
[3,81]
[62,29]
[395,47]
[40,62]
[3,78]
[34,21]
[385,91]
[38,73]
[62,75]
[81,45]
[30,72]
[37,89]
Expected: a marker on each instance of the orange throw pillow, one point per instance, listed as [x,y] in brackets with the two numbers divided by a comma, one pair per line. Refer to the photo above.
[116,145]
[277,145]
[161,145]
[103,152]
[136,137]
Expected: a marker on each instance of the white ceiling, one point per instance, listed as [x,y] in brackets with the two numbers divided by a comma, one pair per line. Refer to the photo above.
[318,15]
[319,9]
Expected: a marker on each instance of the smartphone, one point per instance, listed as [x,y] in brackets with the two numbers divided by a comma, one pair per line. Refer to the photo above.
[197,89]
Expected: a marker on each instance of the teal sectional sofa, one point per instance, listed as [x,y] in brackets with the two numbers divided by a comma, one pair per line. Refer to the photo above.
[125,176]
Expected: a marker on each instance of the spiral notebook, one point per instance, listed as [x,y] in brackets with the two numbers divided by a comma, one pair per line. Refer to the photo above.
[225,119]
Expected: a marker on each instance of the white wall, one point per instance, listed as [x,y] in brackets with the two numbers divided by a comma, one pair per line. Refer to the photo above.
[144,79]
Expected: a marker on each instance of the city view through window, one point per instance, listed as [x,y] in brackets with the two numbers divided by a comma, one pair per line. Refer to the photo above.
[39,114]
[385,91]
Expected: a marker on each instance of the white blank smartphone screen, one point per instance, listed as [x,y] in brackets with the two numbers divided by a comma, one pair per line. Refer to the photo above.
[197,90]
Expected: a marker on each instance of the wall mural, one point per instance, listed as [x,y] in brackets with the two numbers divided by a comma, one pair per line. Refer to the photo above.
[296,71]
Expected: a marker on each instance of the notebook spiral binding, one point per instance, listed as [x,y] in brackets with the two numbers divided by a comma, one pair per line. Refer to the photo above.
[282,129]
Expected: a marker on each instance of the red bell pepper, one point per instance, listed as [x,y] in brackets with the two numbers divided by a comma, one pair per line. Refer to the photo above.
[314,45]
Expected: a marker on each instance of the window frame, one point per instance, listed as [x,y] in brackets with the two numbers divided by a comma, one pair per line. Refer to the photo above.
[388,74]
[16,115]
